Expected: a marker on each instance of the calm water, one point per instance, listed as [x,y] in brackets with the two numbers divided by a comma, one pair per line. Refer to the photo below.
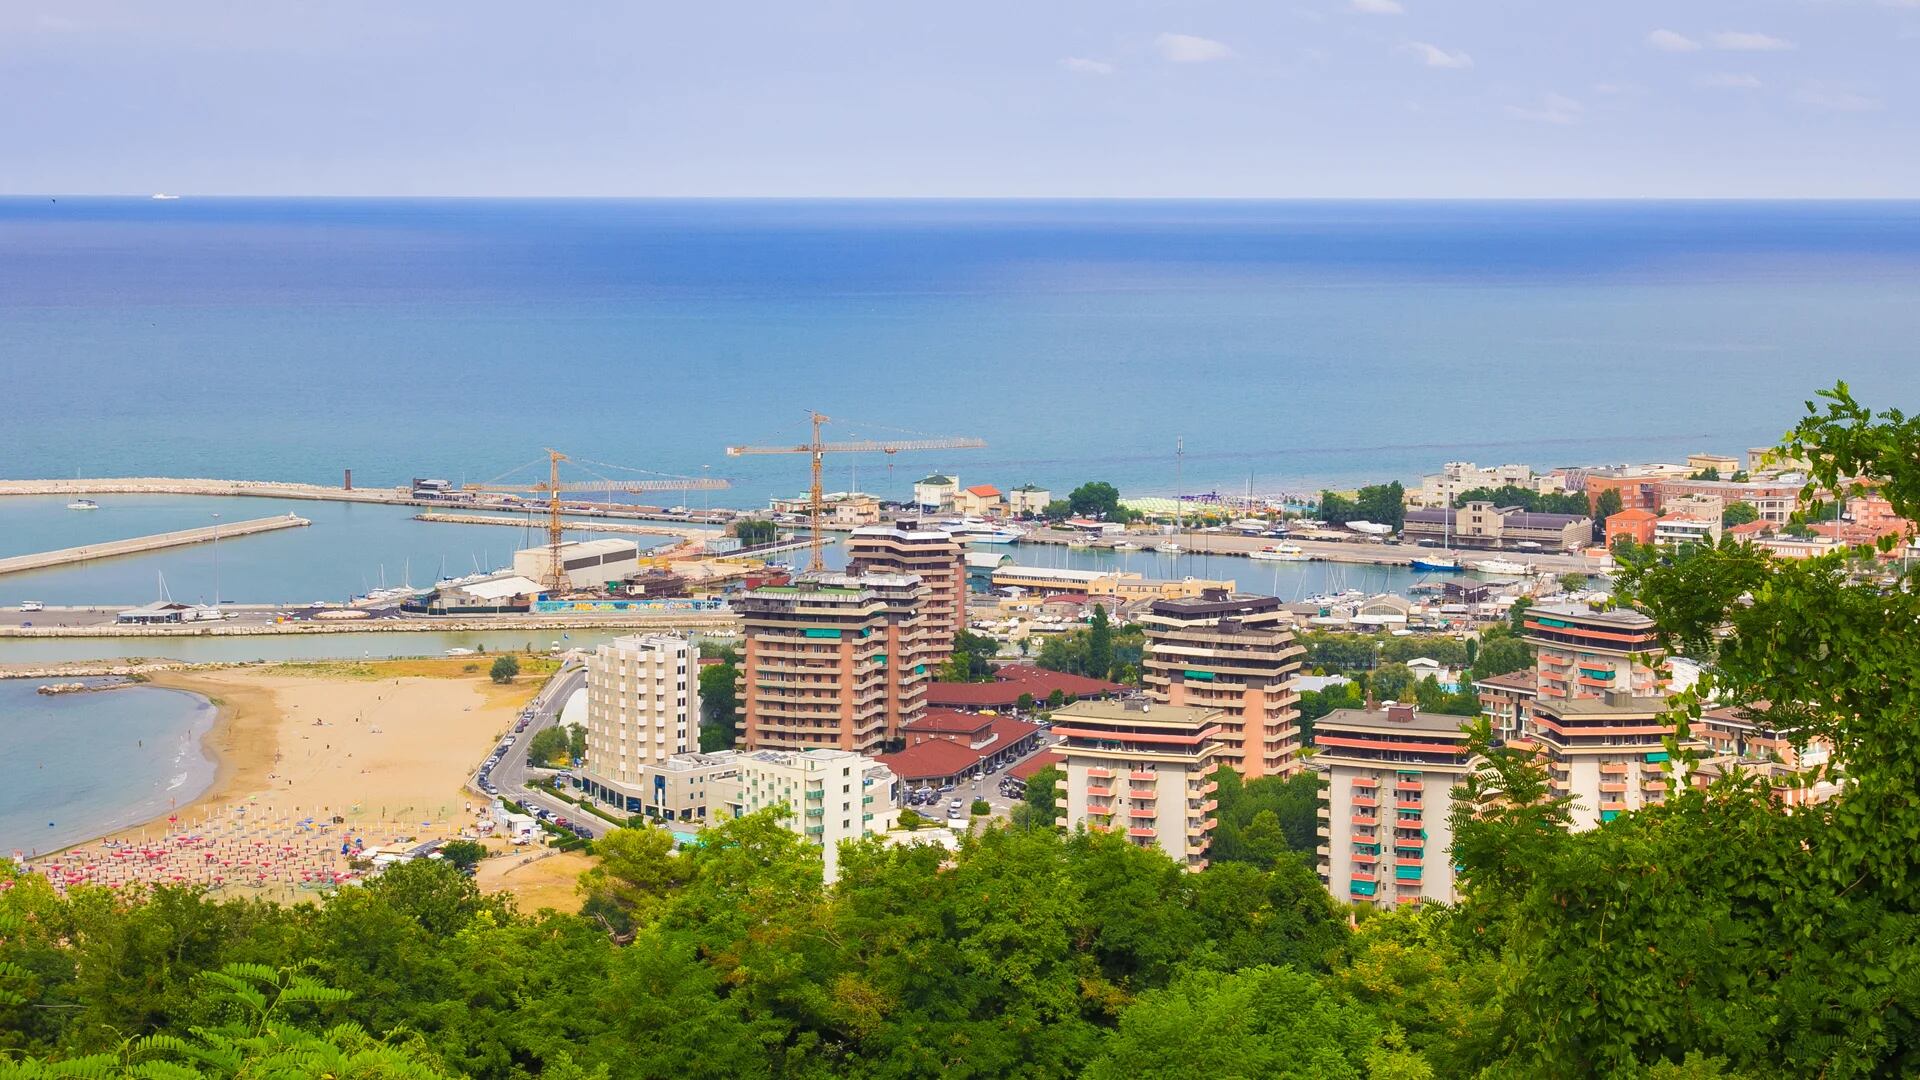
[349,548]
[78,765]
[1298,343]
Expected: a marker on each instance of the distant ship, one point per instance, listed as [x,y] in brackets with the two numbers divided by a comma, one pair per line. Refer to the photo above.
[1281,553]
[163,197]
[1440,565]
[83,504]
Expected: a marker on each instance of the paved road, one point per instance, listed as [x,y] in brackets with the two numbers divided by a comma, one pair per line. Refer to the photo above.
[511,774]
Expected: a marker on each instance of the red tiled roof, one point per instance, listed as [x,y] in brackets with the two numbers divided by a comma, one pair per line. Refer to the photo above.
[985,491]
[1012,681]
[948,722]
[1008,730]
[1026,769]
[1751,528]
[934,759]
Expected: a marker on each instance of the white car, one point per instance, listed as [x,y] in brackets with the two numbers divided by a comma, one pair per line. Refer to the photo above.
[32,605]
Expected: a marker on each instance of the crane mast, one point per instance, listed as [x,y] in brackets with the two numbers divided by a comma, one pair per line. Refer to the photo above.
[817,449]
[552,488]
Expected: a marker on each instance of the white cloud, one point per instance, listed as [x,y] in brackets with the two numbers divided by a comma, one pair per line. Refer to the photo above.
[1613,89]
[1748,41]
[1080,65]
[1669,41]
[1377,7]
[1188,49]
[1553,109]
[1726,80]
[1435,56]
[1821,96]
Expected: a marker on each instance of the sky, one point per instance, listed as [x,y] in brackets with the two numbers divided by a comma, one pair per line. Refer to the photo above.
[987,98]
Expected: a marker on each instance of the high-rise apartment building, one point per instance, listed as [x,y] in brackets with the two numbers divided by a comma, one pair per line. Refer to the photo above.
[1598,715]
[932,555]
[833,661]
[1232,652]
[643,706]
[1384,815]
[830,795]
[1142,768]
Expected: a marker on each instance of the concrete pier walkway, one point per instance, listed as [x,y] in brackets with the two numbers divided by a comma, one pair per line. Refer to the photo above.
[140,544]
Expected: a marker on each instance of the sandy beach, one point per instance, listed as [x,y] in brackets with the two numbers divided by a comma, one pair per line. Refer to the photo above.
[300,739]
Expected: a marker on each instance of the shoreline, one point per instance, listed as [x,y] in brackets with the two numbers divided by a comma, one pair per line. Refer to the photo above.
[441,723]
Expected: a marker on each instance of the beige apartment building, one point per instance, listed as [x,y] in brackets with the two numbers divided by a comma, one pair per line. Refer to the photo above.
[1385,814]
[1483,525]
[833,661]
[1142,769]
[932,555]
[643,707]
[1235,653]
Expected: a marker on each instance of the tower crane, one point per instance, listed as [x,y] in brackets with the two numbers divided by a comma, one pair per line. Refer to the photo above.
[818,449]
[553,486]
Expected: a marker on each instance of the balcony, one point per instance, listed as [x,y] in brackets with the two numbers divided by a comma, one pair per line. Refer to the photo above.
[1103,774]
[1365,800]
[1408,804]
[1366,857]
[1143,774]
[1612,787]
[1141,830]
[1365,782]
[1613,768]
[1408,785]
[1099,793]
[1143,794]
[1141,813]
[1365,822]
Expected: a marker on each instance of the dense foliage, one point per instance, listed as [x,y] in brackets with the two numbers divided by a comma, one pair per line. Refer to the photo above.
[1033,953]
[972,659]
[719,703]
[1101,651]
[1382,504]
[1535,502]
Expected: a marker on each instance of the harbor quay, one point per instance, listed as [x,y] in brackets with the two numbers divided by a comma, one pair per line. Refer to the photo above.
[139,545]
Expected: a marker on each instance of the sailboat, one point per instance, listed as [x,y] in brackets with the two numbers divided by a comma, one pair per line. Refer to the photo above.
[1445,563]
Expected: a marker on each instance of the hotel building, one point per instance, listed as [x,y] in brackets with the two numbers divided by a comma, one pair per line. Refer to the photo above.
[1385,829]
[1232,652]
[643,706]
[1142,768]
[833,661]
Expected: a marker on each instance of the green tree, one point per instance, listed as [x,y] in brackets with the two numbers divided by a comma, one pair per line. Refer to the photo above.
[755,532]
[972,659]
[505,669]
[1057,510]
[719,705]
[1500,656]
[1262,1021]
[1708,473]
[1337,509]
[1097,499]
[1043,795]
[1573,582]
[1606,504]
[1100,644]
[1391,682]
[463,854]
[549,746]
[1384,504]
[1538,502]
[1739,513]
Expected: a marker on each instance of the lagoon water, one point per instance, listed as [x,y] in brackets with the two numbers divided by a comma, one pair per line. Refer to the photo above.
[78,765]
[1291,344]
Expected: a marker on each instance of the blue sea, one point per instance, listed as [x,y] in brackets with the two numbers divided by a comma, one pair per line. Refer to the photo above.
[1290,344]
[79,765]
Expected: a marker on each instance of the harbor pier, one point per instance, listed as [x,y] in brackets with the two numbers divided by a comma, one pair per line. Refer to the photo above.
[137,545]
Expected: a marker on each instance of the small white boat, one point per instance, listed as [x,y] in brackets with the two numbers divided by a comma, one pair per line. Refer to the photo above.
[1124,546]
[459,652]
[83,504]
[1502,568]
[1168,548]
[1281,553]
[163,197]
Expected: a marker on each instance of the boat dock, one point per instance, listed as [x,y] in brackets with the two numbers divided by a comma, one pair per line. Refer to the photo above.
[138,545]
[684,532]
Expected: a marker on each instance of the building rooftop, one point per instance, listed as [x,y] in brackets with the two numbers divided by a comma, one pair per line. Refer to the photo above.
[1214,603]
[935,758]
[985,491]
[1044,759]
[1525,679]
[1631,706]
[1012,680]
[1623,617]
[1394,718]
[1134,712]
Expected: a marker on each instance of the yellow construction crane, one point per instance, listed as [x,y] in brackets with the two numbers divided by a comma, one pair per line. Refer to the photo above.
[553,486]
[818,449]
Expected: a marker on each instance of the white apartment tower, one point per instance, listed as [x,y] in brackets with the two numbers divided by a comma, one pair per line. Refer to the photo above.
[643,706]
